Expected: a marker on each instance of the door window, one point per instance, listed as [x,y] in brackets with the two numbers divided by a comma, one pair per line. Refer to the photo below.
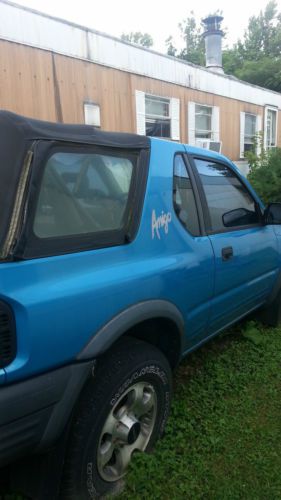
[229,202]
[184,200]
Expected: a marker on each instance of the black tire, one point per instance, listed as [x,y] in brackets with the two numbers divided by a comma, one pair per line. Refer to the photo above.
[121,374]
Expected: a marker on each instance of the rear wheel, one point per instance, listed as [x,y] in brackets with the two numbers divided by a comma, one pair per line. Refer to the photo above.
[122,410]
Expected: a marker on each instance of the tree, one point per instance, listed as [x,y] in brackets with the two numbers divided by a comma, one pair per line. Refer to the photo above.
[256,58]
[264,72]
[232,60]
[171,49]
[193,51]
[143,39]
[263,35]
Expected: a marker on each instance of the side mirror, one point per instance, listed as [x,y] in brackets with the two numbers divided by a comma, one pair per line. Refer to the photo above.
[238,217]
[272,213]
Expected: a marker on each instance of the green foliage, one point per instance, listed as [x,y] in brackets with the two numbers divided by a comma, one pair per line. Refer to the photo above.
[231,60]
[143,39]
[253,333]
[266,72]
[194,48]
[263,35]
[256,58]
[223,439]
[265,174]
[171,49]
[194,44]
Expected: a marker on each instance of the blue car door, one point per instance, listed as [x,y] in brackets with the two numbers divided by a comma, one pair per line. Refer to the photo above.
[194,280]
[245,250]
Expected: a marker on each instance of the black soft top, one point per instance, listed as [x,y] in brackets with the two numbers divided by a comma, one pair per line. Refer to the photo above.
[29,129]
[18,133]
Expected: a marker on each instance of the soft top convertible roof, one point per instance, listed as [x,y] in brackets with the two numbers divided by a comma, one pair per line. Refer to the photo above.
[30,129]
[17,134]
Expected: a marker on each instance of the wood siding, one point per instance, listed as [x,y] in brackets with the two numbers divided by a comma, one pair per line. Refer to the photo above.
[49,86]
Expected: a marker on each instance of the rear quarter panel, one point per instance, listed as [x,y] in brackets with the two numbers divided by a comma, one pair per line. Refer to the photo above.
[61,302]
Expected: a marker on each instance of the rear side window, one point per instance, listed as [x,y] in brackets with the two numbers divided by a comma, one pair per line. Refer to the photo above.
[83,193]
[183,197]
[229,202]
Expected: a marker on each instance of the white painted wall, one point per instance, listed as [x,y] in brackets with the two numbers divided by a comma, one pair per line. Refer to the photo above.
[29,27]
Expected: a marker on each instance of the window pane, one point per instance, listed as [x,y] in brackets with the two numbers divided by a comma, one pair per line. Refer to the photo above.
[121,169]
[248,146]
[157,116]
[184,201]
[250,125]
[203,110]
[82,193]
[92,114]
[268,129]
[157,106]
[158,128]
[203,135]
[203,122]
[271,128]
[224,193]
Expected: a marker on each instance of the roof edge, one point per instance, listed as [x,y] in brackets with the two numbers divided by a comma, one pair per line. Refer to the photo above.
[128,44]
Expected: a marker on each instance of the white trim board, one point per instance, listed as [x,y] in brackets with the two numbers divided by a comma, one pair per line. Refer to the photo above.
[26,26]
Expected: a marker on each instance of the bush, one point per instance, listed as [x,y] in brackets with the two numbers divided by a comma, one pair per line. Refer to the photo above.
[265,174]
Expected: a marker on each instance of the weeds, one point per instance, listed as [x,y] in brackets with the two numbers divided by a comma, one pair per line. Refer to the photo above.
[223,439]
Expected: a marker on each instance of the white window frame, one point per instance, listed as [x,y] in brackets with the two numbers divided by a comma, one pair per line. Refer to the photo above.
[242,131]
[92,114]
[152,117]
[191,125]
[275,110]
[174,114]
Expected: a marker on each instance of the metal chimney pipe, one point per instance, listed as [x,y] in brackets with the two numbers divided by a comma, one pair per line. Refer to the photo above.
[213,42]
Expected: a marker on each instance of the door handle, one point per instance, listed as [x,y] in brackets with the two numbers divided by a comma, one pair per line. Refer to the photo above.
[227,253]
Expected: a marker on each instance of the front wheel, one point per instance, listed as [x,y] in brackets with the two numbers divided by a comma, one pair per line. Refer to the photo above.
[123,409]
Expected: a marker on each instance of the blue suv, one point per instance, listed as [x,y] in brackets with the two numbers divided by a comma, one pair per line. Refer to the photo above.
[120,254]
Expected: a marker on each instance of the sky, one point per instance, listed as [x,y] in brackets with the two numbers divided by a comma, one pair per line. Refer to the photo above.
[158,18]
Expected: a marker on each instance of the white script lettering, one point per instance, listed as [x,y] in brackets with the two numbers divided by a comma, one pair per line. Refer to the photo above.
[158,222]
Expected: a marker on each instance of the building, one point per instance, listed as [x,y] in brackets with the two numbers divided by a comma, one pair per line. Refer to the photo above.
[55,70]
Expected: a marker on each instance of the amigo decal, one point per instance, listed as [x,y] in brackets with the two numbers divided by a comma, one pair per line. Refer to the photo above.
[158,222]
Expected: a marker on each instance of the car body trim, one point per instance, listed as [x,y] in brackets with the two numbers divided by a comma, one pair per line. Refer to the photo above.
[128,318]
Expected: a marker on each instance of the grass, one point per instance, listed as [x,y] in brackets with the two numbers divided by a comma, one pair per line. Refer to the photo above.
[223,439]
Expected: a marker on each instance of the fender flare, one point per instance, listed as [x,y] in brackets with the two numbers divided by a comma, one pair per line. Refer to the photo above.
[128,318]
